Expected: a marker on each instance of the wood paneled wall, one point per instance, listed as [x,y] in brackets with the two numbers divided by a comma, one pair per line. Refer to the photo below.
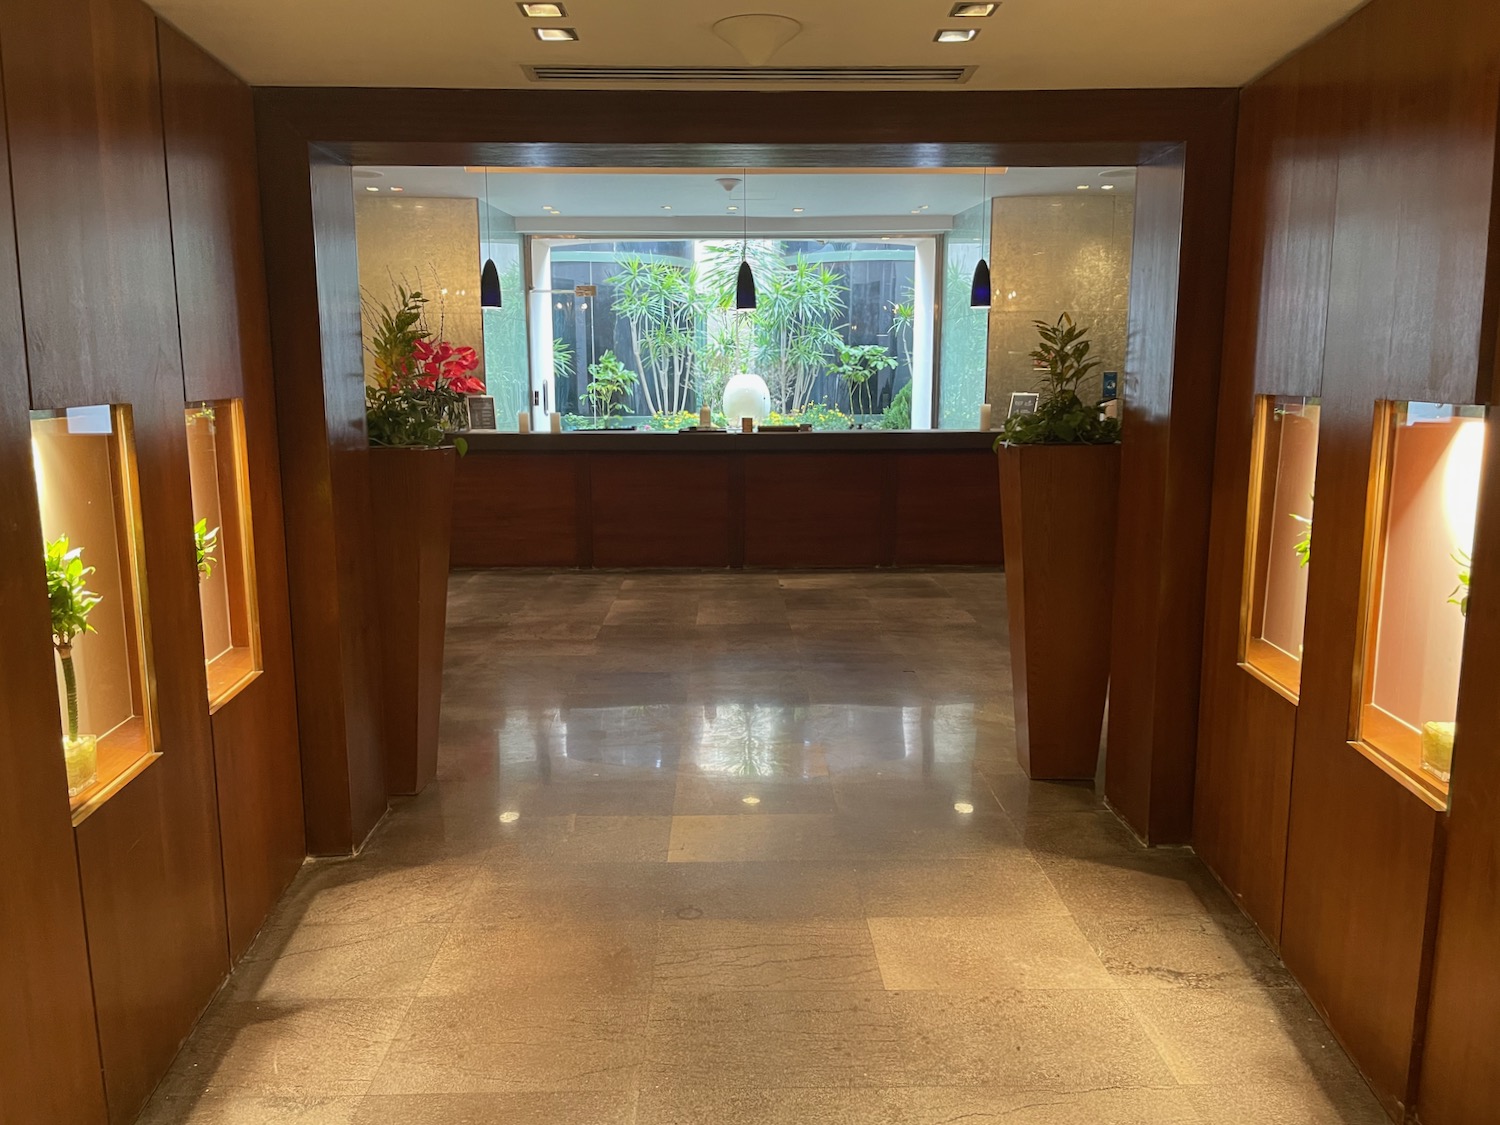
[752,508]
[1363,229]
[137,261]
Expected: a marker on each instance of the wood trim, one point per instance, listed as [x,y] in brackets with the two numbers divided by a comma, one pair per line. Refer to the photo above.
[124,754]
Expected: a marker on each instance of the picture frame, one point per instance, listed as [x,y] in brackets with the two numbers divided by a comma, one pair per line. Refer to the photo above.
[1023,402]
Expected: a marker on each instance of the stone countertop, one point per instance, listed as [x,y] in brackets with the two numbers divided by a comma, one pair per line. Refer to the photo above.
[649,441]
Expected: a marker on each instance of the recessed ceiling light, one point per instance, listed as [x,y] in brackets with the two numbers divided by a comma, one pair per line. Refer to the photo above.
[750,800]
[556,34]
[963,807]
[1083,187]
[543,11]
[372,187]
[1106,187]
[956,35]
[968,11]
[798,210]
[398,189]
[731,207]
[666,206]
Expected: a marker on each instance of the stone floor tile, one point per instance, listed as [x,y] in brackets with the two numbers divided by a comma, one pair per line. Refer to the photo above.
[714,955]
[984,954]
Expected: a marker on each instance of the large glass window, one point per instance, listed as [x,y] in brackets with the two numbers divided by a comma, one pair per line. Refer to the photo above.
[644,333]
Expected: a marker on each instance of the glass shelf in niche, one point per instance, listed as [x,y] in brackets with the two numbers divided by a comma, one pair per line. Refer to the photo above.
[88,498]
[221,534]
[1427,468]
[1279,544]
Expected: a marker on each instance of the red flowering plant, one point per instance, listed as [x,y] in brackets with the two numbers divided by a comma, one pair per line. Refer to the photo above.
[415,394]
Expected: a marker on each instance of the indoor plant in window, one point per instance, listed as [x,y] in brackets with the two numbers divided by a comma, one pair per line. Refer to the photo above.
[413,401]
[1059,478]
[71,603]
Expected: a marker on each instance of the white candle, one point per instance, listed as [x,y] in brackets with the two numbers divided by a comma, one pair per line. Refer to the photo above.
[984,416]
[523,422]
[556,422]
[705,418]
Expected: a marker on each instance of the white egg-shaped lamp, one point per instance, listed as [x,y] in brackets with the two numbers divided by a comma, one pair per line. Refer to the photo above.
[746,396]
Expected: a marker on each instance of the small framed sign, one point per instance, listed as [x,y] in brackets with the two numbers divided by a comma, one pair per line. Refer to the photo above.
[1111,386]
[481,411]
[585,290]
[1023,402]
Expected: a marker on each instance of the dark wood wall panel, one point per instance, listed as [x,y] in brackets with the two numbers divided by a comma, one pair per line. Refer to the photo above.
[101,325]
[818,509]
[49,1067]
[1363,232]
[946,509]
[1276,313]
[321,430]
[209,121]
[1460,1078]
[659,509]
[517,510]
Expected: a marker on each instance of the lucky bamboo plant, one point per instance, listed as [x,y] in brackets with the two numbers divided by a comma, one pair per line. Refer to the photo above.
[71,603]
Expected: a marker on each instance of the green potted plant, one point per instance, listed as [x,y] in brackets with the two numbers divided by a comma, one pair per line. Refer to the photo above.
[71,603]
[413,403]
[1059,481]
[205,543]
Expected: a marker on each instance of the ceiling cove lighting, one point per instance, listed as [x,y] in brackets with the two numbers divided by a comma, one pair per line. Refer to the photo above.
[956,35]
[556,34]
[553,11]
[969,11]
[744,285]
[489,277]
[979,291]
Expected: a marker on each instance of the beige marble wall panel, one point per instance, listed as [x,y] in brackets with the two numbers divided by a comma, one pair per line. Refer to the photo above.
[431,245]
[1051,254]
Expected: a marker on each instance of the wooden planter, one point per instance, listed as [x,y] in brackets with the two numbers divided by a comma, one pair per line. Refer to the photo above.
[1057,508]
[411,500]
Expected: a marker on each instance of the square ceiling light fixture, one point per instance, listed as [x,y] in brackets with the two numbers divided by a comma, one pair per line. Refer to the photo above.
[556,34]
[956,35]
[544,11]
[959,12]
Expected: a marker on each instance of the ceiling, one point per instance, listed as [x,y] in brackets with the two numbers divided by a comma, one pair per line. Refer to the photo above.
[1025,45]
[673,199]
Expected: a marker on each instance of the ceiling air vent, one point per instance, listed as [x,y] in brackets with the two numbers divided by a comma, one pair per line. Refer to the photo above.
[813,75]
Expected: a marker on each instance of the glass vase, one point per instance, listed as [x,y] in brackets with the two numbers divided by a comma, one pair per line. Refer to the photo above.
[82,757]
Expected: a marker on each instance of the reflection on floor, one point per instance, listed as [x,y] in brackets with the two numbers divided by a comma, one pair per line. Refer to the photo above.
[712,849]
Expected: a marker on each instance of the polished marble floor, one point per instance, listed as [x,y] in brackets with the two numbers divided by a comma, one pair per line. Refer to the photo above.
[720,849]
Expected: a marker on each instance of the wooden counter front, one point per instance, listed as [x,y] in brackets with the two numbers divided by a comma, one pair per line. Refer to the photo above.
[857,499]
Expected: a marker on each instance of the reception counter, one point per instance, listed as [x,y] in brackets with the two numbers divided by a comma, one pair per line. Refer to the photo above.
[645,499]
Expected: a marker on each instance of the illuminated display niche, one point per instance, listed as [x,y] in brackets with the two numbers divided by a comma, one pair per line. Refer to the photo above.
[87,493]
[1280,537]
[1427,475]
[221,530]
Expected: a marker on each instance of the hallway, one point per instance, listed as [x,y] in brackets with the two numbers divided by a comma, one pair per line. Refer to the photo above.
[733,848]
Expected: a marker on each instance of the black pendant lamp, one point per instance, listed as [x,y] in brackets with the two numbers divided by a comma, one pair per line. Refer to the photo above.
[489,277]
[979,292]
[744,285]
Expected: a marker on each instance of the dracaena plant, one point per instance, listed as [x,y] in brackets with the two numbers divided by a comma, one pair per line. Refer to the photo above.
[71,602]
[1460,595]
[1062,415]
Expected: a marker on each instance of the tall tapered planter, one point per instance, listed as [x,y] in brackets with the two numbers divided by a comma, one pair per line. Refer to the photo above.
[411,497]
[1057,511]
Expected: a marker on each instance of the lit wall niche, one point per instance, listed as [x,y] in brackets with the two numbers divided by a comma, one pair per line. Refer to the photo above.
[88,496]
[1427,462]
[1279,544]
[221,534]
